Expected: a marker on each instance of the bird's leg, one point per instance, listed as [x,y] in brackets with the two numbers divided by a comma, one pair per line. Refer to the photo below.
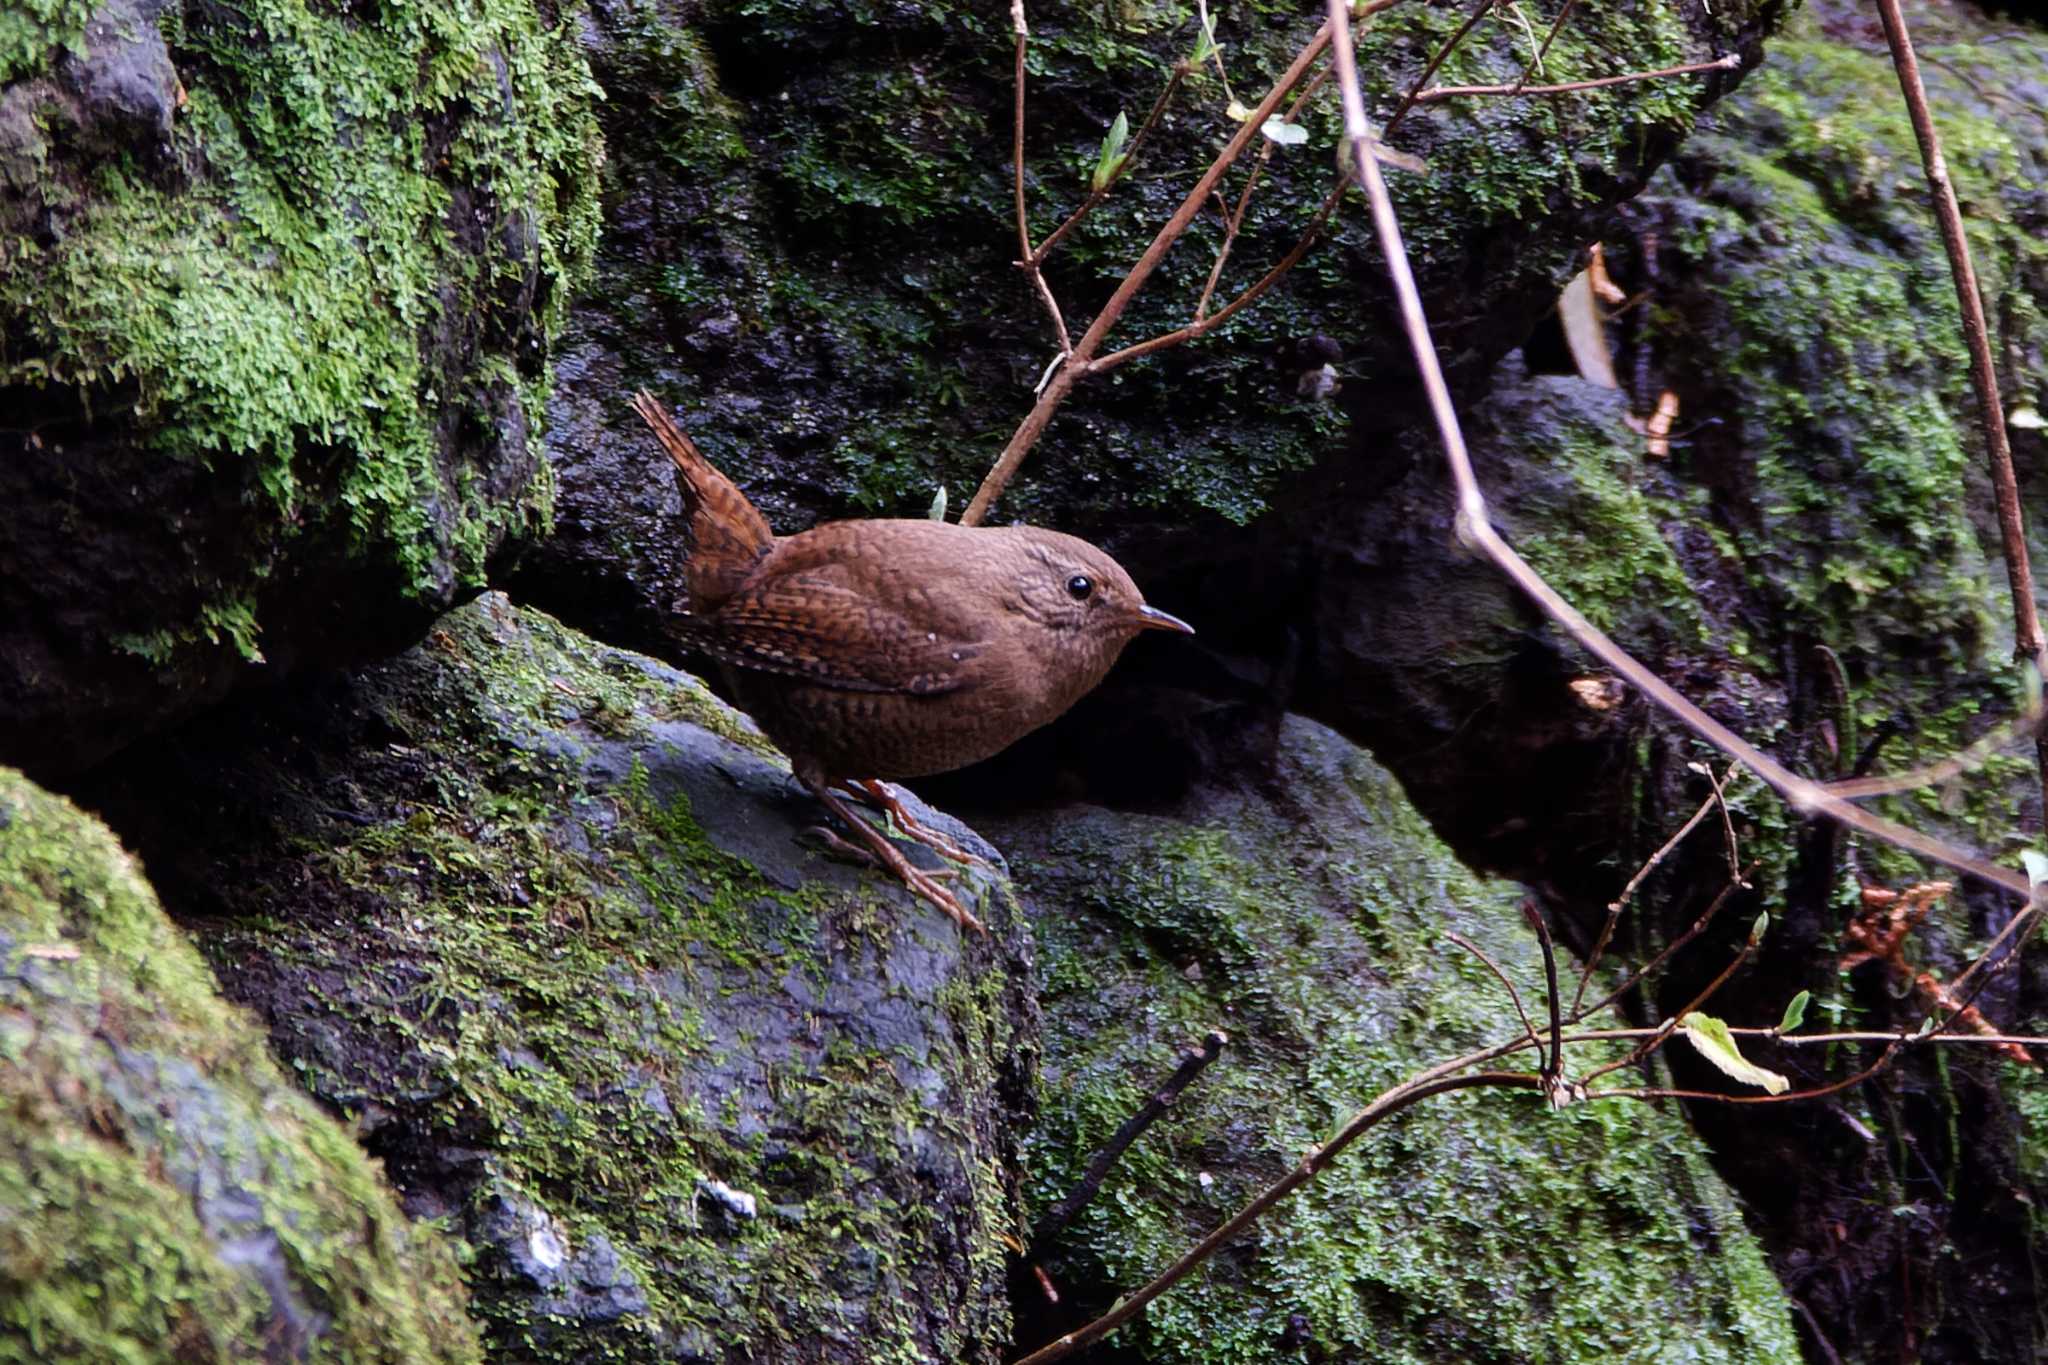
[879,795]
[891,857]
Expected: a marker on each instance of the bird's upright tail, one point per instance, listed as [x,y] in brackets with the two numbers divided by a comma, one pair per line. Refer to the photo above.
[728,534]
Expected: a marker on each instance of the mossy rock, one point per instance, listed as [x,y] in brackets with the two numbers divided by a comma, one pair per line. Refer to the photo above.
[809,237]
[166,1193]
[1310,921]
[537,915]
[278,294]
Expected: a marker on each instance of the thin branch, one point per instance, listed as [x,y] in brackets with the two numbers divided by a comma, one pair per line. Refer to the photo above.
[1025,256]
[1983,373]
[1504,979]
[1619,903]
[1193,1062]
[1553,1067]
[1437,94]
[1536,62]
[1437,60]
[1036,258]
[1671,1025]
[1222,315]
[1727,825]
[1956,765]
[1670,950]
[1063,381]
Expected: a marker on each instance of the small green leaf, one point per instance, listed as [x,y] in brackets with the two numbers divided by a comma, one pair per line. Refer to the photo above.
[1111,158]
[1281,131]
[1926,1027]
[1760,928]
[2037,867]
[1238,113]
[1206,47]
[1795,1012]
[938,510]
[1712,1040]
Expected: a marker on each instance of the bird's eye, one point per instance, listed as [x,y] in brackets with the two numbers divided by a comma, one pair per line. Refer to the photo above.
[1079,586]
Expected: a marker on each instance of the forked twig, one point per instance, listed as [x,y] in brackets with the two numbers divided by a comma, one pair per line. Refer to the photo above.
[1514,994]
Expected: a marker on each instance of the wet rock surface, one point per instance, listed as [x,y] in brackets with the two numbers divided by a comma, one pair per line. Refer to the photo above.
[537,916]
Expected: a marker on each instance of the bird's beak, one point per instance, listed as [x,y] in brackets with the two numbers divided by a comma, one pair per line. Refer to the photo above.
[1151,618]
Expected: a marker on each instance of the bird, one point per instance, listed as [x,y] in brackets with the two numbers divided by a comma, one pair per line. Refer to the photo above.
[878,650]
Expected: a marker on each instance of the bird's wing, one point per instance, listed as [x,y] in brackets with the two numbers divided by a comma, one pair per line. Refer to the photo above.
[817,624]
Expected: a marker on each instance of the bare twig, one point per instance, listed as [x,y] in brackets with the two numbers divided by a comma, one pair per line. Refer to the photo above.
[1504,979]
[1436,60]
[1620,903]
[1437,94]
[1036,257]
[1553,1066]
[1670,950]
[1204,326]
[1727,824]
[1475,528]
[1192,1063]
[1669,1026]
[1955,765]
[1025,256]
[2027,638]
[1536,62]
[1063,381]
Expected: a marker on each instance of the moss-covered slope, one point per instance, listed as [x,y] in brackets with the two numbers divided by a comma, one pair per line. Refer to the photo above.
[534,912]
[165,1193]
[1311,922]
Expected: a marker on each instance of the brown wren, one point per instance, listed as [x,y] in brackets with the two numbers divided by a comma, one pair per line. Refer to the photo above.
[889,649]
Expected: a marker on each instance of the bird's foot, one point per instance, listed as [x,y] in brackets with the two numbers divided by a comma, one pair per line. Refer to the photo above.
[891,859]
[883,798]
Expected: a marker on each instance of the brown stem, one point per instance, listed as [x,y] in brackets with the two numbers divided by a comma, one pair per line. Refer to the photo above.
[1554,1067]
[1536,62]
[1452,92]
[1055,393]
[1222,315]
[1983,375]
[1036,258]
[1501,976]
[1670,950]
[1619,903]
[1026,257]
[1442,54]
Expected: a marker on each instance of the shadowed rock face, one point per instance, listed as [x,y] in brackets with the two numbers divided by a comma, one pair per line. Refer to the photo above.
[277,305]
[536,914]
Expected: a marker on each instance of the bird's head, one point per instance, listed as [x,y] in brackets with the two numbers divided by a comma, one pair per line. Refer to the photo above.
[1086,604]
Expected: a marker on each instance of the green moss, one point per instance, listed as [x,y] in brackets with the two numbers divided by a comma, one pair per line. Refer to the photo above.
[32,30]
[1476,1227]
[152,1159]
[280,315]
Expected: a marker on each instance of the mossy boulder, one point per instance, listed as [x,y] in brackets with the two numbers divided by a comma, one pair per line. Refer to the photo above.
[165,1191]
[809,236]
[278,291]
[1311,921]
[536,915]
